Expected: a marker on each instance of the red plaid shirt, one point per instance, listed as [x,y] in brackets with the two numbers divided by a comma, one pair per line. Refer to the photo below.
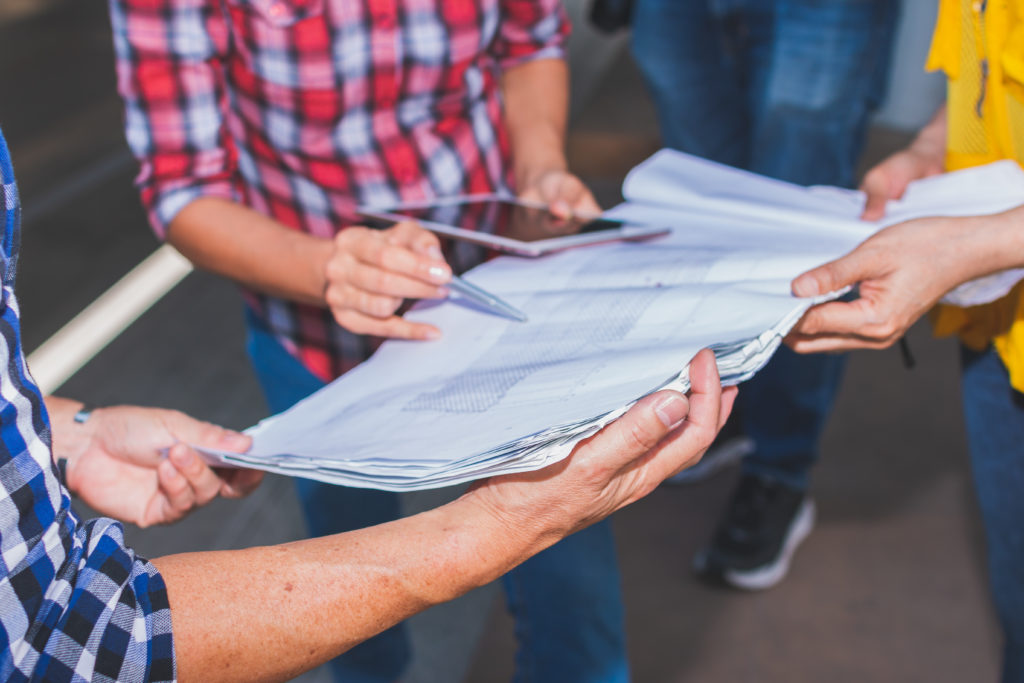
[302,109]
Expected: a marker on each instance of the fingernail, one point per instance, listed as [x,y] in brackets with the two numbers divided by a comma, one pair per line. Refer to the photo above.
[439,274]
[431,334]
[443,292]
[434,251]
[671,409]
[805,286]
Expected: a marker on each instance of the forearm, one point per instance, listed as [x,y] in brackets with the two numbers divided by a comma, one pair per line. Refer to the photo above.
[930,142]
[269,613]
[987,244]
[536,98]
[242,244]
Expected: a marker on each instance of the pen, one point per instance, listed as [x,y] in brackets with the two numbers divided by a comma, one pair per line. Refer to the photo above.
[481,296]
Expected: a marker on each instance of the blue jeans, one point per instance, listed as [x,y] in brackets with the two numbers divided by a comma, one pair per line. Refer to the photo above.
[566,600]
[783,88]
[994,415]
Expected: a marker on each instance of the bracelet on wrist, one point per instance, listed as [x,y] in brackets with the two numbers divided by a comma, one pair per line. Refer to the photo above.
[83,414]
[62,472]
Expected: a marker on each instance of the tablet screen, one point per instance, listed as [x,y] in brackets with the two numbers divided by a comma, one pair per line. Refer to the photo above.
[510,225]
[520,222]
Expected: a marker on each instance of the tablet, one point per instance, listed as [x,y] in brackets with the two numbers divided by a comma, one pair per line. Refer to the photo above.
[509,225]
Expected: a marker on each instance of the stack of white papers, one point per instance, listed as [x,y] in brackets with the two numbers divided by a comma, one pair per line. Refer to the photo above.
[607,325]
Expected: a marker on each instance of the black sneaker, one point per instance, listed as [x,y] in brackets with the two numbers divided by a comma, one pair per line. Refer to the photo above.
[755,540]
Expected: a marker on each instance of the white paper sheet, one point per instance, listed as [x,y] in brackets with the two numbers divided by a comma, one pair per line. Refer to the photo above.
[607,325]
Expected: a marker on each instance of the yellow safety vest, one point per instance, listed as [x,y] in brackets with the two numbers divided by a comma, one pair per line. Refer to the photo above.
[979,45]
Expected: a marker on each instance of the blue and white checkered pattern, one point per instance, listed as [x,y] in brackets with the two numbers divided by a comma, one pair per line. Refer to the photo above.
[76,605]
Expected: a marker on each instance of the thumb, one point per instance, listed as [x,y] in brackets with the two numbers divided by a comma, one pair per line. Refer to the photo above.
[638,431]
[829,277]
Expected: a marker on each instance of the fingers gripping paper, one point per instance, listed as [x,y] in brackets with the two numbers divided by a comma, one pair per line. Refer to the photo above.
[607,325]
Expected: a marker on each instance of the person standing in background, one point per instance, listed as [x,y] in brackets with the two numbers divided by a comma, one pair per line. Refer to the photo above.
[783,88]
[260,125]
[904,269]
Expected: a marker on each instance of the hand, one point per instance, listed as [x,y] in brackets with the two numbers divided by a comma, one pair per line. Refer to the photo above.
[925,157]
[564,193]
[902,270]
[656,438]
[115,463]
[371,272]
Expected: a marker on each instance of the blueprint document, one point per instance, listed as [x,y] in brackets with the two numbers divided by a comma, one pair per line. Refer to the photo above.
[607,325]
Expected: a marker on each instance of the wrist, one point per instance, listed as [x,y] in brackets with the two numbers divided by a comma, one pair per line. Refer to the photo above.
[73,431]
[992,243]
[517,524]
[319,252]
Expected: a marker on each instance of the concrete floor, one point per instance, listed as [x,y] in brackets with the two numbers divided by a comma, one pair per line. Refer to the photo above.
[890,587]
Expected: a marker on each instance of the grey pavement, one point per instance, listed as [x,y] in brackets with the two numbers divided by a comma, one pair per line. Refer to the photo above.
[889,587]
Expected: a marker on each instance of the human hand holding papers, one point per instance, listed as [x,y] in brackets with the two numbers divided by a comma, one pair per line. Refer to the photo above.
[607,325]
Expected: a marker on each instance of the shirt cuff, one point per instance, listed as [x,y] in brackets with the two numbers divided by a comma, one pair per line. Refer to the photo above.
[549,52]
[172,201]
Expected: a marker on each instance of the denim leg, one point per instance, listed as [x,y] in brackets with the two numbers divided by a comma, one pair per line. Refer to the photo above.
[567,605]
[816,81]
[687,53]
[826,70]
[330,509]
[783,88]
[994,416]
[783,409]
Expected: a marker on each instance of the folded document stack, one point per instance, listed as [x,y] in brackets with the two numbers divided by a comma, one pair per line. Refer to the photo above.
[607,325]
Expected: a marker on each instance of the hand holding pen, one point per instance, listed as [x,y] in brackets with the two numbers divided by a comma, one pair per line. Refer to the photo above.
[371,272]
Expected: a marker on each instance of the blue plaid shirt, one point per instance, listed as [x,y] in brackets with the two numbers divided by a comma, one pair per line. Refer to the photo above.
[75,603]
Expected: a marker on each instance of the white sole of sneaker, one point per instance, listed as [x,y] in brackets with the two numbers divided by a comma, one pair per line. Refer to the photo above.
[771,574]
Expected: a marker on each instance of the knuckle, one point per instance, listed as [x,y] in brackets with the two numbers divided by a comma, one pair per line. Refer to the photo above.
[405,228]
[347,236]
[382,307]
[384,281]
[334,270]
[592,475]
[391,258]
[888,331]
[638,438]
[350,321]
[339,296]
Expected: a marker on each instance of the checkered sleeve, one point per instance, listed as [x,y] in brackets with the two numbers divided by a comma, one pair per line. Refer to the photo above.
[531,29]
[76,604]
[171,77]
